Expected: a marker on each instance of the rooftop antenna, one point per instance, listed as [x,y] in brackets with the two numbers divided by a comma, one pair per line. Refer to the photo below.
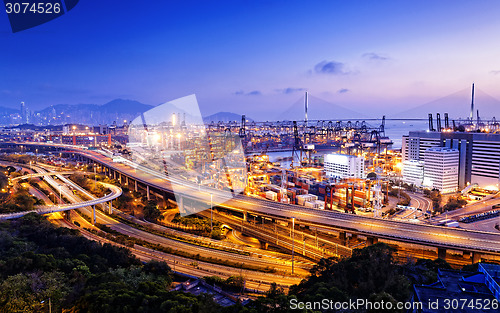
[472,106]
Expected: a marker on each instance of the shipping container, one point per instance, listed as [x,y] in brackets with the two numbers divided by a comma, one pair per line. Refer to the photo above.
[271,195]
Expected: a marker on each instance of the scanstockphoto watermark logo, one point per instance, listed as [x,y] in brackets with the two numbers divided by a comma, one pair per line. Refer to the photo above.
[204,166]
[25,14]
[354,305]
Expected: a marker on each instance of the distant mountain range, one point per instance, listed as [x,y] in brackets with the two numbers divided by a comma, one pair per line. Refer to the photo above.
[224,117]
[318,109]
[117,106]
[457,105]
[118,110]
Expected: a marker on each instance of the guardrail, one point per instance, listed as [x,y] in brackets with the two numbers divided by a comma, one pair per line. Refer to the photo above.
[115,193]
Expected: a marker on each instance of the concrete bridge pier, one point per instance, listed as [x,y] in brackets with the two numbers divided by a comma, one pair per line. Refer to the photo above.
[148,194]
[135,185]
[120,178]
[180,203]
[245,216]
[371,240]
[164,199]
[110,207]
[476,257]
[342,237]
[93,215]
[442,253]
[126,180]
[264,245]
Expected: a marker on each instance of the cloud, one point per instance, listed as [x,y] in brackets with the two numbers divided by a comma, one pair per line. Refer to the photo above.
[290,90]
[330,67]
[375,57]
[250,93]
[343,90]
[497,72]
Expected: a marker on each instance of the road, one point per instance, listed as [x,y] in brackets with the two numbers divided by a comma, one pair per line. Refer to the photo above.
[115,192]
[256,281]
[182,266]
[435,236]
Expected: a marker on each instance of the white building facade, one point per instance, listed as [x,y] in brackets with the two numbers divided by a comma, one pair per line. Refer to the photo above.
[344,166]
[479,154]
[413,172]
[441,169]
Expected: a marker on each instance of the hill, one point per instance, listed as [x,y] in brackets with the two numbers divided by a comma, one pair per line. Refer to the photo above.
[224,117]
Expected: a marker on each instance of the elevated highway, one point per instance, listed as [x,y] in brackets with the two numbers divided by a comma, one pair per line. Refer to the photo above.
[115,193]
[442,238]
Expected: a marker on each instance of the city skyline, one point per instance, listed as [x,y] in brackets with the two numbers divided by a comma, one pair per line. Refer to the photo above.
[255,59]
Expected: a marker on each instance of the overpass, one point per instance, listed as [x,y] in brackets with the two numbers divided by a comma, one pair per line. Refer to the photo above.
[115,193]
[442,238]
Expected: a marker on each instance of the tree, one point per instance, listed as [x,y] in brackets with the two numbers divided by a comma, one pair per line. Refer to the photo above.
[24,201]
[151,211]
[369,271]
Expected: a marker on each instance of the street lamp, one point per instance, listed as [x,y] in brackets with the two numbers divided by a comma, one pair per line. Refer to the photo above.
[211,216]
[50,305]
[293,240]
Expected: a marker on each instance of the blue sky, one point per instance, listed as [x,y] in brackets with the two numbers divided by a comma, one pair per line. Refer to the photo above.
[254,57]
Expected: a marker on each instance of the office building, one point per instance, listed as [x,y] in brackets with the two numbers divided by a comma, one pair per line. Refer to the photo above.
[344,166]
[441,169]
[413,172]
[479,154]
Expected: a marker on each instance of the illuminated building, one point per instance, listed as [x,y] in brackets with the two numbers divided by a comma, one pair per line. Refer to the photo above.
[413,172]
[344,166]
[479,153]
[441,169]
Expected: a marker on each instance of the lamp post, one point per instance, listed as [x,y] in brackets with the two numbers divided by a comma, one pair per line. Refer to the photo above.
[211,216]
[50,305]
[293,240]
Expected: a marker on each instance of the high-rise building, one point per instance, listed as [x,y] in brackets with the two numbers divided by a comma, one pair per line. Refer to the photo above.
[344,166]
[24,113]
[441,169]
[479,154]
